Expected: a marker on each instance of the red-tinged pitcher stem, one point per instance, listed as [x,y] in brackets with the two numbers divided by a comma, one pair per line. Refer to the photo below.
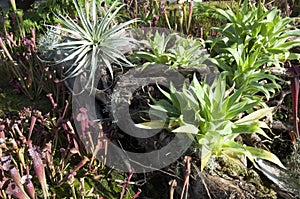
[295,71]
[185,188]
[295,97]
[137,194]
[126,182]
[39,168]
[32,123]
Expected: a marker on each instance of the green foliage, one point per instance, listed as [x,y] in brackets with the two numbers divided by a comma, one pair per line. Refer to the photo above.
[213,116]
[188,52]
[172,50]
[43,12]
[35,17]
[91,42]
[158,44]
[206,17]
[253,37]
[253,29]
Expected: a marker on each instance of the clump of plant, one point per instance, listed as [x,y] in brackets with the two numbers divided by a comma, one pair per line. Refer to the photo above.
[28,145]
[172,50]
[205,17]
[188,52]
[27,73]
[173,15]
[46,41]
[253,39]
[213,116]
[92,42]
[158,45]
[41,156]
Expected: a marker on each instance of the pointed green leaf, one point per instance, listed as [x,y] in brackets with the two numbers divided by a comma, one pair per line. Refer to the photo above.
[256,115]
[266,155]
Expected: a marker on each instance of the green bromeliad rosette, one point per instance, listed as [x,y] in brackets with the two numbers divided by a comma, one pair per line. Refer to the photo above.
[215,116]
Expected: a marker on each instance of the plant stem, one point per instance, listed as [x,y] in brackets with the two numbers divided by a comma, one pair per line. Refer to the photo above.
[295,98]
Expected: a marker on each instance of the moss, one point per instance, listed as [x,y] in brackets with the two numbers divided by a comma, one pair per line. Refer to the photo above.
[249,179]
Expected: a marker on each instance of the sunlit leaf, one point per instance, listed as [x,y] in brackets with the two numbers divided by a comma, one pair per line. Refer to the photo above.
[263,154]
[186,128]
[151,125]
[256,115]
[206,153]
